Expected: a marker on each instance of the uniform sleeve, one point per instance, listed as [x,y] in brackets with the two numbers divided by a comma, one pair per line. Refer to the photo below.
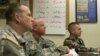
[1,44]
[35,49]
[1,48]
[52,50]
[61,50]
[49,45]
[67,42]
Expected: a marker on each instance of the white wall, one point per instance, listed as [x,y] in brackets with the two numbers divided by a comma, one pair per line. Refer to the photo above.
[90,34]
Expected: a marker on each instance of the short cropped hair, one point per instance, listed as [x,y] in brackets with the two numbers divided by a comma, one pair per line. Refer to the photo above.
[12,8]
[71,25]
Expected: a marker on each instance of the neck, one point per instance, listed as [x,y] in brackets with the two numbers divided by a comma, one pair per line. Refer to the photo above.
[36,36]
[74,36]
[17,28]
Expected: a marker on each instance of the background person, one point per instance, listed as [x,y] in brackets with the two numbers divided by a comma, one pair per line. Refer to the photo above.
[74,40]
[43,47]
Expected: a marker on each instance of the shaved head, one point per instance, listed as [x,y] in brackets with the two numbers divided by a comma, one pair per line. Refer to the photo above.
[39,26]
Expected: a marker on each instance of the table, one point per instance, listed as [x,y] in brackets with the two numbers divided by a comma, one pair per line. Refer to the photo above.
[89,54]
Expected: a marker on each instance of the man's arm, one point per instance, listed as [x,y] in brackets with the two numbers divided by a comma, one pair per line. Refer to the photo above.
[1,42]
[1,47]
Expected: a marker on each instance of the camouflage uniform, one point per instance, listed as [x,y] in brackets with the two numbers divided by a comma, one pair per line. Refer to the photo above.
[43,48]
[34,48]
[76,43]
[11,44]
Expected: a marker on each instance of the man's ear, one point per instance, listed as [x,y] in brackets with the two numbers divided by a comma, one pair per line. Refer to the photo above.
[17,17]
[72,31]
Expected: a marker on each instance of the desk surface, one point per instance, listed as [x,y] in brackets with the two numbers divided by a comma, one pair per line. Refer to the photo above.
[89,54]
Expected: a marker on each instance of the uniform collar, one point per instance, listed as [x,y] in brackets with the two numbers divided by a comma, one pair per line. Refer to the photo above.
[74,38]
[16,35]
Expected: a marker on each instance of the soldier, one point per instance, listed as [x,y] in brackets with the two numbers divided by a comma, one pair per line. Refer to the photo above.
[43,47]
[18,20]
[73,41]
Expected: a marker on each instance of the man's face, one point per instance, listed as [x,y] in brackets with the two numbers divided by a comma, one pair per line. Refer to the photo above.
[25,18]
[77,30]
[40,28]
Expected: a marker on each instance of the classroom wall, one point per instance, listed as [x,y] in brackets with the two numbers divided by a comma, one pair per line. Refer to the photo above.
[90,31]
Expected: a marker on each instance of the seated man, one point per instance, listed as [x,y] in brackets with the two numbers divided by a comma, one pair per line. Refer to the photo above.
[41,46]
[73,41]
[18,21]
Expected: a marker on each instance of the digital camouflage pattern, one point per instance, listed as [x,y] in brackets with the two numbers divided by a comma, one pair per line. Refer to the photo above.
[10,43]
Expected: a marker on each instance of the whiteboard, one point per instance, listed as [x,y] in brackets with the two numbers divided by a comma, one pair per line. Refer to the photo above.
[53,12]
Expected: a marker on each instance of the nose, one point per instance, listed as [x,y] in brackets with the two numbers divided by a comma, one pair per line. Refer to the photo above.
[32,19]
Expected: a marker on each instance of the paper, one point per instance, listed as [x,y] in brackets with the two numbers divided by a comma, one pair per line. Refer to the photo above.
[73,52]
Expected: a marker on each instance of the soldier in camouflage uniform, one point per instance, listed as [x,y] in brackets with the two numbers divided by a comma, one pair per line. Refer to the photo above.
[18,21]
[33,47]
[73,41]
[43,47]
